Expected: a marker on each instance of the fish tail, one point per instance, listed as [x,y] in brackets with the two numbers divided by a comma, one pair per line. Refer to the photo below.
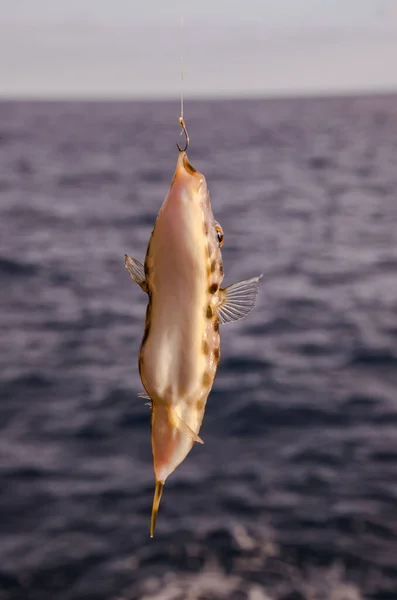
[158,490]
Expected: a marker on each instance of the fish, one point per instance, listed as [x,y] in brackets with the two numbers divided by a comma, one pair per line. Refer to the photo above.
[180,350]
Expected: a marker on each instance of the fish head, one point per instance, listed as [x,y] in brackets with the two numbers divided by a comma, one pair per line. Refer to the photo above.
[185,224]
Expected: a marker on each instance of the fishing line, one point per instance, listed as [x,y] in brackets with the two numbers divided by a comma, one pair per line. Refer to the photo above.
[181,121]
[182,65]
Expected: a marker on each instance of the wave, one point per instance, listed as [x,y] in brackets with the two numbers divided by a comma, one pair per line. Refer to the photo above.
[15,268]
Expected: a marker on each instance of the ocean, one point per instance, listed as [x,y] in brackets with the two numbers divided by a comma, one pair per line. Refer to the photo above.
[294,494]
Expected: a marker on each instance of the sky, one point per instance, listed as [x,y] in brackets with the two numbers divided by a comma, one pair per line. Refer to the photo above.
[231,48]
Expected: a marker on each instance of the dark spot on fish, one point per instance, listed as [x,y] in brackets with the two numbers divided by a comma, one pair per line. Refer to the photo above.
[146,265]
[221,268]
[148,270]
[216,354]
[200,404]
[205,347]
[205,228]
[206,378]
[213,266]
[209,312]
[216,326]
[213,288]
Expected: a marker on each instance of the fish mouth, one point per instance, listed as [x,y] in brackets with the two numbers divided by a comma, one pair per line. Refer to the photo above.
[186,175]
[187,165]
[187,181]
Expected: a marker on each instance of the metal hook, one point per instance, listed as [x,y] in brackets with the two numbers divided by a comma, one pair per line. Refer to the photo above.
[182,122]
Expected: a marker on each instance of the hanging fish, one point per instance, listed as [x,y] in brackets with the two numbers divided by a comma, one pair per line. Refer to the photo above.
[180,352]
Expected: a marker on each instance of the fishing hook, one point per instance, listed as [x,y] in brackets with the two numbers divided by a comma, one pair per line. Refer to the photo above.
[182,122]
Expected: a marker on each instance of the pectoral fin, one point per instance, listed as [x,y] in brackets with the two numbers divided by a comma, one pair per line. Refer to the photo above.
[182,426]
[238,300]
[136,270]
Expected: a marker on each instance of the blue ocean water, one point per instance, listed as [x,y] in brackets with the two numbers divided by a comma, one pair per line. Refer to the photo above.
[294,494]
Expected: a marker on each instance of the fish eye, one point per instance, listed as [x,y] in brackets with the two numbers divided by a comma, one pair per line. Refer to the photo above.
[219,232]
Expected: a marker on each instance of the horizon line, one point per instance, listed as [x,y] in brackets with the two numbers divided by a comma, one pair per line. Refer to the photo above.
[246,96]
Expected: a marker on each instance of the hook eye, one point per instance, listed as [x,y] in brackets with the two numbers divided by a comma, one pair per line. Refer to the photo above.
[182,122]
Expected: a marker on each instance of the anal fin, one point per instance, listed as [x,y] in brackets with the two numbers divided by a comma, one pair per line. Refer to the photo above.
[145,396]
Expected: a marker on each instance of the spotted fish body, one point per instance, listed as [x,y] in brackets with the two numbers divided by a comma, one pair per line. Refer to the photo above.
[180,350]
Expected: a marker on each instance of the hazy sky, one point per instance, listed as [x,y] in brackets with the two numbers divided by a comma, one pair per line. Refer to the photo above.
[131,48]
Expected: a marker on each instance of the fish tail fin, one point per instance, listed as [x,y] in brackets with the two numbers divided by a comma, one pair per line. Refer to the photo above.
[158,490]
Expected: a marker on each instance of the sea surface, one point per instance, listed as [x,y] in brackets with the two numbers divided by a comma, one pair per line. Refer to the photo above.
[294,494]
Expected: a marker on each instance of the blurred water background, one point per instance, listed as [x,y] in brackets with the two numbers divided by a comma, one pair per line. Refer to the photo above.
[294,494]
